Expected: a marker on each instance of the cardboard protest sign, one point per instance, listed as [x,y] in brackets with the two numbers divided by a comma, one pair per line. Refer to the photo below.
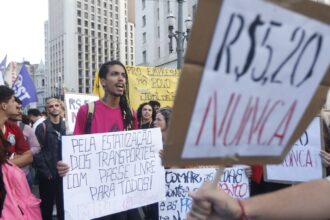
[112,172]
[181,181]
[303,162]
[73,101]
[151,83]
[256,75]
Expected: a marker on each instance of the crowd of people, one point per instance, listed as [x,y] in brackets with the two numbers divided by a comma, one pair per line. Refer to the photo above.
[36,140]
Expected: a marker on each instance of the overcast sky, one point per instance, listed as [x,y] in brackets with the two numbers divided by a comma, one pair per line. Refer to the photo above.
[22,30]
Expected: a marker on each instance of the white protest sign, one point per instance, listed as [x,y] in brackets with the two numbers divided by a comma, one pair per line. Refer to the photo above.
[112,172]
[181,181]
[73,101]
[303,162]
[263,67]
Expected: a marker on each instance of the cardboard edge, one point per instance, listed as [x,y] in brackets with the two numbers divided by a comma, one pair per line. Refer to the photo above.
[202,31]
[266,179]
[197,55]
[184,101]
[311,111]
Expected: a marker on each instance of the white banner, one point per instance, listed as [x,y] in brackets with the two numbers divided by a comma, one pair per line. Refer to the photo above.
[181,181]
[303,162]
[112,172]
[73,101]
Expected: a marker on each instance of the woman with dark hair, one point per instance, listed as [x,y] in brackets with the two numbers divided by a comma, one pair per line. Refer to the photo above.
[146,116]
[162,121]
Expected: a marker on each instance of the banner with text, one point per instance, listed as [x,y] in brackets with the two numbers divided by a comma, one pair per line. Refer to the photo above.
[73,101]
[262,70]
[151,83]
[303,162]
[181,181]
[112,172]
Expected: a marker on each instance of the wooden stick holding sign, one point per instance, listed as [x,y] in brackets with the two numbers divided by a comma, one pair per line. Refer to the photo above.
[255,76]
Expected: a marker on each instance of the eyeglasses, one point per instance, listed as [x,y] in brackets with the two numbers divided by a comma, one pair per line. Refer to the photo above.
[52,106]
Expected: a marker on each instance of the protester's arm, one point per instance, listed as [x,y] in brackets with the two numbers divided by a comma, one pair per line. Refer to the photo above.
[22,160]
[304,201]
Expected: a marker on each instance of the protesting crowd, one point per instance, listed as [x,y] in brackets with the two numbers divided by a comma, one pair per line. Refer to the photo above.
[35,141]
[252,82]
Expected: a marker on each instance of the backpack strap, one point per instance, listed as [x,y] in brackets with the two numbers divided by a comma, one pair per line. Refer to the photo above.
[89,117]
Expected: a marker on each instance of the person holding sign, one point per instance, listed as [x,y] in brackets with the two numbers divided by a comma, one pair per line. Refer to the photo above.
[308,200]
[111,113]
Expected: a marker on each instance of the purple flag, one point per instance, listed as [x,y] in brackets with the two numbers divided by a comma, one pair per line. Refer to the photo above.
[24,87]
[2,70]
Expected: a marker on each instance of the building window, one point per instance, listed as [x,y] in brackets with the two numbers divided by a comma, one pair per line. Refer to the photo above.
[158,52]
[144,37]
[158,14]
[143,4]
[158,32]
[144,22]
[144,55]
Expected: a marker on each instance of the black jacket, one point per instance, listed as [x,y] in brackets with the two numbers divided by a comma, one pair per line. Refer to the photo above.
[51,148]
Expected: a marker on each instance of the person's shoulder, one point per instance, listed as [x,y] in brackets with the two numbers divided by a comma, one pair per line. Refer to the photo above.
[11,126]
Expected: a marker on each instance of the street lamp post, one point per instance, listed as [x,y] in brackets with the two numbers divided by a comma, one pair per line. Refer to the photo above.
[178,35]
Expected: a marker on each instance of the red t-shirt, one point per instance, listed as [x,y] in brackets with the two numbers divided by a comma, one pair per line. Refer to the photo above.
[14,135]
[105,119]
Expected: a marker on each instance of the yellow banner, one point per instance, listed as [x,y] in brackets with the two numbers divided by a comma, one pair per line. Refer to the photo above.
[146,84]
[151,83]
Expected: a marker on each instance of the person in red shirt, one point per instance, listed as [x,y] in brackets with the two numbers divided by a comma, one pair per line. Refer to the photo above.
[20,153]
[111,113]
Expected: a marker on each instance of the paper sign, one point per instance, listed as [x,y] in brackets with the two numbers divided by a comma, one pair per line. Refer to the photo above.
[264,65]
[112,172]
[151,83]
[73,101]
[181,181]
[303,162]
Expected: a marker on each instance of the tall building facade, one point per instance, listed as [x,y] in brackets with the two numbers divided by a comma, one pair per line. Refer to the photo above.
[151,28]
[81,35]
